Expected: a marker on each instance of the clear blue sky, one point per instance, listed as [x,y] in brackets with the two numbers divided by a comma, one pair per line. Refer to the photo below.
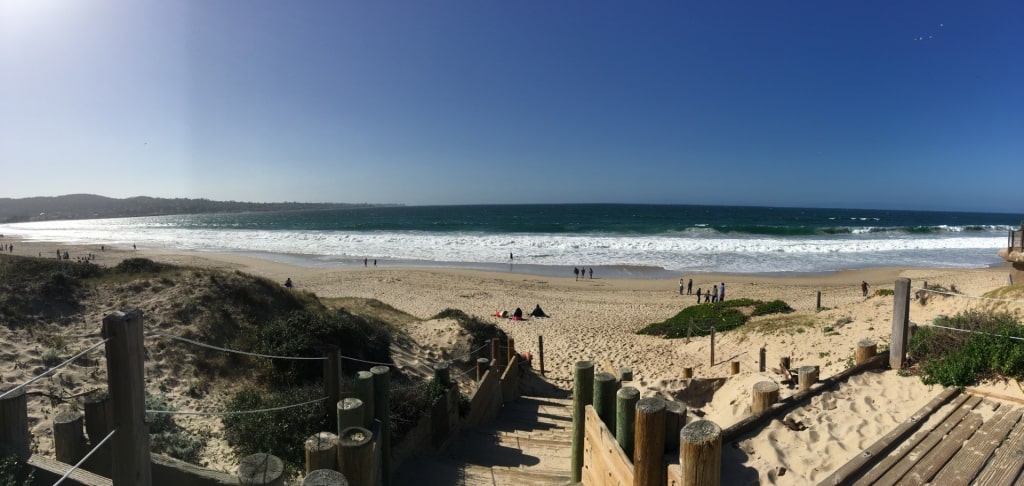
[871,104]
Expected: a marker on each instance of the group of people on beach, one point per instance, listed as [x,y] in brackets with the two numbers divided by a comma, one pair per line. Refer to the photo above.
[582,272]
[7,247]
[715,294]
[517,315]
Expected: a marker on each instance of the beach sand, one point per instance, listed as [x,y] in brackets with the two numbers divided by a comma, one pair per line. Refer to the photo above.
[596,319]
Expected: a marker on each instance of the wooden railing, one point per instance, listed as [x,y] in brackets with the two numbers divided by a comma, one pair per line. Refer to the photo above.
[1015,239]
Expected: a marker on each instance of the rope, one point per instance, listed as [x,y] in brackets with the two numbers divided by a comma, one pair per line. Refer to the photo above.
[179,338]
[368,362]
[75,467]
[971,296]
[285,407]
[976,332]
[51,370]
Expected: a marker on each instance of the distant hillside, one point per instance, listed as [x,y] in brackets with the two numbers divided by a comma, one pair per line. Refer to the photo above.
[89,206]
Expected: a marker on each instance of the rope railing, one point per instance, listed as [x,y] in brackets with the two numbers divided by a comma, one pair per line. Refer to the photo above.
[239,412]
[228,350]
[1016,338]
[53,369]
[80,462]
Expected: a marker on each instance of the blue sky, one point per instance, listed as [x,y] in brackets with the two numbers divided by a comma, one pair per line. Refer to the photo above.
[870,104]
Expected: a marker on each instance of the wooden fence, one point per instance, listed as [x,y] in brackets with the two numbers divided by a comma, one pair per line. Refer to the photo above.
[1015,240]
[360,454]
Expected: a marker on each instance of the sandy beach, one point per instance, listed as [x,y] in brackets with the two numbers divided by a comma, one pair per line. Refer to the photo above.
[596,319]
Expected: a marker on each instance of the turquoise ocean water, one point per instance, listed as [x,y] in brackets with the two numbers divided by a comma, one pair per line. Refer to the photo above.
[616,240]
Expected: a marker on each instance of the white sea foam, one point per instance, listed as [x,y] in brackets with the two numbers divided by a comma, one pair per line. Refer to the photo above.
[700,250]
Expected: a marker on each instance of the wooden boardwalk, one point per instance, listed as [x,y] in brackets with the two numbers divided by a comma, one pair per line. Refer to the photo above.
[969,440]
[528,444]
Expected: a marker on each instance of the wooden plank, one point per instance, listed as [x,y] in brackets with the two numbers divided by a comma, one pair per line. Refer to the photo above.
[894,457]
[988,394]
[876,451]
[604,459]
[969,460]
[58,469]
[925,446]
[929,465]
[734,431]
[1006,464]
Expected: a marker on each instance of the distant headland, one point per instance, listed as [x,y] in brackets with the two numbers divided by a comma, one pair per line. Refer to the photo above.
[91,206]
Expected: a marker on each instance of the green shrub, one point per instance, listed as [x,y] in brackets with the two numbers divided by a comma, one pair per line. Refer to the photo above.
[957,358]
[167,437]
[773,307]
[722,315]
[280,432]
[884,292]
[14,474]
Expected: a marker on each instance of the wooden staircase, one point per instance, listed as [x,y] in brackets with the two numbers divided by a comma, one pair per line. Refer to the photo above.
[530,443]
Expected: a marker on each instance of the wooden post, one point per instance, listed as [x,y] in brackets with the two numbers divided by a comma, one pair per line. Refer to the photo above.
[784,363]
[325,477]
[649,434]
[321,451]
[99,421]
[817,306]
[442,375]
[625,374]
[482,365]
[700,454]
[689,331]
[734,368]
[511,355]
[900,321]
[540,351]
[332,381]
[712,345]
[687,373]
[126,382]
[604,398]
[381,390]
[766,393]
[355,456]
[866,348]
[363,389]
[625,418]
[496,351]
[807,376]
[583,395]
[258,469]
[761,363]
[675,419]
[352,412]
[68,439]
[14,424]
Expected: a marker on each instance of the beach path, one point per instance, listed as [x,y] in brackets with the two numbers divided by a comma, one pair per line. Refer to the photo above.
[528,444]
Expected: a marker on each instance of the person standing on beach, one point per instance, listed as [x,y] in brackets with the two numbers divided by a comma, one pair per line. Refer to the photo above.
[721,293]
[689,287]
[591,272]
[509,256]
[864,288]
[714,294]
[576,271]
[698,295]
[680,286]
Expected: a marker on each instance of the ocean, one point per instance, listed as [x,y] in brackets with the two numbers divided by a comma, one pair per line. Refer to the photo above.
[617,240]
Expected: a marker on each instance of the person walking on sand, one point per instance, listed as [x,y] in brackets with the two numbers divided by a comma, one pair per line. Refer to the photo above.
[689,287]
[721,292]
[698,295]
[680,286]
[576,271]
[591,272]
[864,288]
[714,294]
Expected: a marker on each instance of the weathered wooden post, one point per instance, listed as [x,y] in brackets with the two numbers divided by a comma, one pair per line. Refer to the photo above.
[381,389]
[807,376]
[605,387]
[99,421]
[325,477]
[68,439]
[332,381]
[687,373]
[700,454]
[363,390]
[762,355]
[689,331]
[900,321]
[540,351]
[496,351]
[784,363]
[355,456]
[321,451]
[582,395]
[712,345]
[817,306]
[648,465]
[766,393]
[14,424]
[866,348]
[734,367]
[675,419]
[258,469]
[442,375]
[511,355]
[352,412]
[126,382]
[482,365]
[625,418]
[625,374]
